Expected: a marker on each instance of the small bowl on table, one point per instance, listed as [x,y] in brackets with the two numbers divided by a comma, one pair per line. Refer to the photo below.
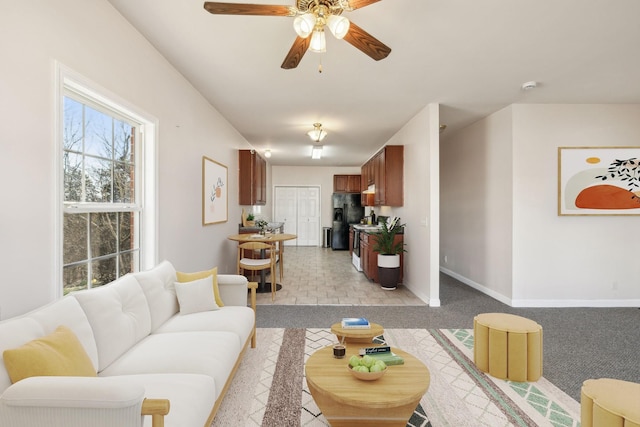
[367,376]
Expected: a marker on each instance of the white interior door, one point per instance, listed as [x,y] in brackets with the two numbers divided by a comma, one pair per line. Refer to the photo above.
[286,209]
[299,209]
[308,216]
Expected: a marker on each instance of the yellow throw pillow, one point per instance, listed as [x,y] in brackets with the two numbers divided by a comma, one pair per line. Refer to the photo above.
[190,277]
[57,354]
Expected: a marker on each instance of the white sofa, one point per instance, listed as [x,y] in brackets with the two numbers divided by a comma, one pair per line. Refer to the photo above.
[141,348]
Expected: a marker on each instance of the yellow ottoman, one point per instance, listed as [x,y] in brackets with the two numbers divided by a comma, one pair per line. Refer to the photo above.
[607,403]
[508,346]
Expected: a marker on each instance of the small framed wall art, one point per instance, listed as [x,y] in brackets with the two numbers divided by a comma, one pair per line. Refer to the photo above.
[214,192]
[598,180]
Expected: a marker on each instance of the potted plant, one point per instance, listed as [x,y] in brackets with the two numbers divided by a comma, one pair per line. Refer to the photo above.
[388,254]
[262,225]
[250,220]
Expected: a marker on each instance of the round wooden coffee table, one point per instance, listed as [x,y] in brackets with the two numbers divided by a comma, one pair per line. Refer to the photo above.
[356,335]
[346,401]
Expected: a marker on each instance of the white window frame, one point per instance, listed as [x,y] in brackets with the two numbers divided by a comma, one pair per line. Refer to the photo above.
[146,182]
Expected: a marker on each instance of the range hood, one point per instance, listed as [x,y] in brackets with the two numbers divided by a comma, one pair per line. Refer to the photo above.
[370,190]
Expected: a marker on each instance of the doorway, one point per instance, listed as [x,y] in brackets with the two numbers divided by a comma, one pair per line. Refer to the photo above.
[299,209]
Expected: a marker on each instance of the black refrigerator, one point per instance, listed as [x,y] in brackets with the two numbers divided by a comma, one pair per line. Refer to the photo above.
[346,210]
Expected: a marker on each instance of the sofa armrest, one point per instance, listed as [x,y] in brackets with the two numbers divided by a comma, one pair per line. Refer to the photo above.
[72,401]
[233,289]
[157,408]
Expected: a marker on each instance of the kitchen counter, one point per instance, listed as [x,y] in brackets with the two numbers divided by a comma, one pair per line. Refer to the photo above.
[272,227]
[372,229]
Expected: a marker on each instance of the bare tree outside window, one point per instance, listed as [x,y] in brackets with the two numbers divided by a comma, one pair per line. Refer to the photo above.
[101,212]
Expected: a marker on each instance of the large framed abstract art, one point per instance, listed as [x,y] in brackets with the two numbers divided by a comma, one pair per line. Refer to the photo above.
[598,180]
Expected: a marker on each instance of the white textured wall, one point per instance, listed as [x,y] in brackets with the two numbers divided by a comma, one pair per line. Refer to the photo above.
[476,199]
[570,260]
[500,228]
[91,38]
[420,139]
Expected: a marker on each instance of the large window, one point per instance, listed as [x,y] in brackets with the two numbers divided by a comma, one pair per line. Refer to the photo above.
[102,191]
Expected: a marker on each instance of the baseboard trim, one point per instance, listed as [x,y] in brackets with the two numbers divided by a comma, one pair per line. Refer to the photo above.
[590,303]
[540,303]
[493,294]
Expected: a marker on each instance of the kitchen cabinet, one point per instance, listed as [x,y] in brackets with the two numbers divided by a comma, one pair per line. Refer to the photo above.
[369,258]
[252,178]
[346,183]
[385,170]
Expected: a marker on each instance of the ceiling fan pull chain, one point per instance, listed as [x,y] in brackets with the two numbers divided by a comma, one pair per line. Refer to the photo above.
[320,65]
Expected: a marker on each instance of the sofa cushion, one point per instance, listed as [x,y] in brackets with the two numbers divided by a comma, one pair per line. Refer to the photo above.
[239,320]
[188,277]
[68,312]
[56,354]
[196,296]
[42,321]
[158,287]
[14,333]
[191,396]
[119,315]
[209,353]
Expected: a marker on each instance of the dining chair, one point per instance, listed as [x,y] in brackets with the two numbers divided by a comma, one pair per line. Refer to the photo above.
[280,258]
[247,260]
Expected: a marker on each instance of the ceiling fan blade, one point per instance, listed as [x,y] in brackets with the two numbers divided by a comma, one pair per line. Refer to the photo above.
[296,53]
[357,4]
[218,8]
[368,44]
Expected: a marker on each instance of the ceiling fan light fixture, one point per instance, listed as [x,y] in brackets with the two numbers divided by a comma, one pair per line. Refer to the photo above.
[304,24]
[318,41]
[316,152]
[317,134]
[338,25]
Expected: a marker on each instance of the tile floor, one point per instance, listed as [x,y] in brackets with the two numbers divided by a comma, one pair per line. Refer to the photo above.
[322,276]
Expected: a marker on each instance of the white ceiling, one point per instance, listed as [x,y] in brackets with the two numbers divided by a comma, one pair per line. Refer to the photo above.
[471,56]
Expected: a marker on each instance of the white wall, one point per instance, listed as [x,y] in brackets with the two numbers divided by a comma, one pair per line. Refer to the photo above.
[500,228]
[312,176]
[569,260]
[91,38]
[476,204]
[420,139]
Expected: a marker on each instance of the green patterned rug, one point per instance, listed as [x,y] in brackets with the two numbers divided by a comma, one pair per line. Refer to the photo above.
[270,390]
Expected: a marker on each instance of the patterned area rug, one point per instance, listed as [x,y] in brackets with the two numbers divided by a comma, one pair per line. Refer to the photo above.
[270,389]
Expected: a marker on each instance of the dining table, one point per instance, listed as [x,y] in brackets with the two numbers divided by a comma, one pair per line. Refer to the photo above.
[278,238]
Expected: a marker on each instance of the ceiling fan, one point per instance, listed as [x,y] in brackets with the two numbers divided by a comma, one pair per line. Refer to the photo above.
[311,17]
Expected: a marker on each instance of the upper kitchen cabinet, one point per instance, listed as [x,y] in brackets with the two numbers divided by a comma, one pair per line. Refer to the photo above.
[346,184]
[252,179]
[385,170]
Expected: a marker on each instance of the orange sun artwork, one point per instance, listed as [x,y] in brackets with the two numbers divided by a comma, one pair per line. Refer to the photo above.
[607,183]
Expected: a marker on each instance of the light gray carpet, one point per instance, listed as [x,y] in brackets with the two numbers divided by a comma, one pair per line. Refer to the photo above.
[579,343]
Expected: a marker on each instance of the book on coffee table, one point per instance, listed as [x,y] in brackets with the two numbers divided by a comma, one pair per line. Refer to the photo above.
[383,353]
[355,323]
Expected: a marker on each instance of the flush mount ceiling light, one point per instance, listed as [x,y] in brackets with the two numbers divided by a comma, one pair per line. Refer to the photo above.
[317,134]
[267,153]
[316,152]
[529,85]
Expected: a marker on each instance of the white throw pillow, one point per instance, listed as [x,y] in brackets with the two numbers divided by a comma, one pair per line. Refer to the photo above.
[196,296]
